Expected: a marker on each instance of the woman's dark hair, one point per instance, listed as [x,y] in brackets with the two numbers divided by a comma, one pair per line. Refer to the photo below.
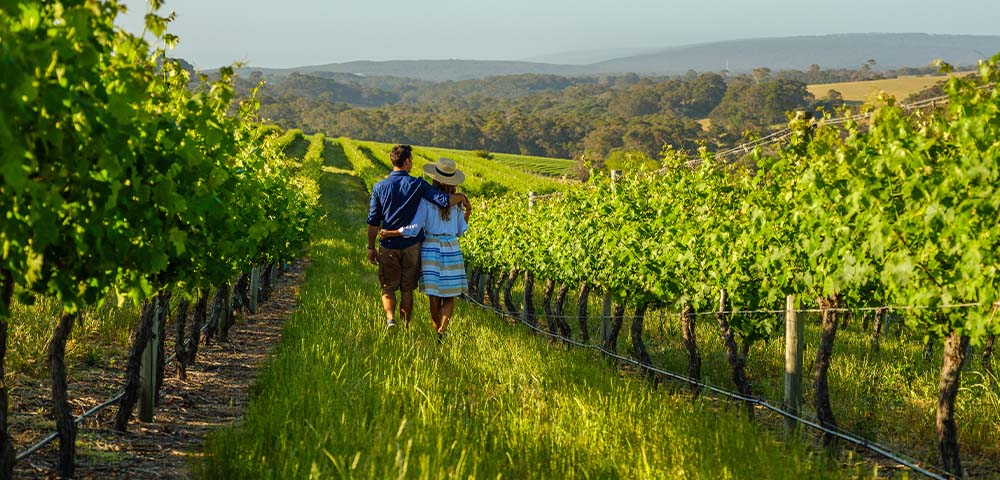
[450,190]
[400,154]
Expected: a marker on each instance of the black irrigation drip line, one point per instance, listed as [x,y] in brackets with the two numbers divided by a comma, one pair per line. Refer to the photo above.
[107,403]
[47,440]
[78,420]
[837,432]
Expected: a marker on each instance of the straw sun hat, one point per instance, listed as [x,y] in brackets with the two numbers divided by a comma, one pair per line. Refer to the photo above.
[445,171]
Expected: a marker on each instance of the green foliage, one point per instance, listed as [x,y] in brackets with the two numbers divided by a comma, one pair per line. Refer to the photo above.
[630,161]
[749,103]
[117,175]
[902,211]
[285,140]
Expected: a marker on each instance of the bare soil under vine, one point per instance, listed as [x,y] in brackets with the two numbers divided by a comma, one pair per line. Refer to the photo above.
[214,395]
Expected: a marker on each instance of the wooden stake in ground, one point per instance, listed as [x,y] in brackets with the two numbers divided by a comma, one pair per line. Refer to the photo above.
[582,311]
[793,364]
[161,350]
[180,353]
[229,313]
[254,292]
[150,360]
[607,305]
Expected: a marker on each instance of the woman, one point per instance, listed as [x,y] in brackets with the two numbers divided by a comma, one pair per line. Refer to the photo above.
[442,267]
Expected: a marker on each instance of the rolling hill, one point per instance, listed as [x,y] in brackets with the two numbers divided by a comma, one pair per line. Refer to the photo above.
[889,50]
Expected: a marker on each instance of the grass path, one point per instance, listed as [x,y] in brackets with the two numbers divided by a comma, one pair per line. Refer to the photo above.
[342,399]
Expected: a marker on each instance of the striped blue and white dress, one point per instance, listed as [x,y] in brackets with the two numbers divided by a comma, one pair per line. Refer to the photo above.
[442,266]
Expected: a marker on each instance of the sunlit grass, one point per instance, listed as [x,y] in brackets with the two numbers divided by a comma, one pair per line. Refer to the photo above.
[99,334]
[887,395]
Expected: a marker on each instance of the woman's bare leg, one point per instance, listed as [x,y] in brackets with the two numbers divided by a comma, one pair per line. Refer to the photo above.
[447,308]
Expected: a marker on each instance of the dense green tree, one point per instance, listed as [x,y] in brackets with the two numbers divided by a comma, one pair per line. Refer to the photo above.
[747,105]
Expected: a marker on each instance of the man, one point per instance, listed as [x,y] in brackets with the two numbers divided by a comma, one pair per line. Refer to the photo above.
[394,203]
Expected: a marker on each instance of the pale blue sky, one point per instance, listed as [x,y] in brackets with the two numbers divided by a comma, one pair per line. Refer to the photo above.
[309,32]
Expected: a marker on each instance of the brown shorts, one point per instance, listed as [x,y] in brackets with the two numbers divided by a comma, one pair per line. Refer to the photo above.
[399,268]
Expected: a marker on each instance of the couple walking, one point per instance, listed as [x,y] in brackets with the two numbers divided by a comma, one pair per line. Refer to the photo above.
[418,226]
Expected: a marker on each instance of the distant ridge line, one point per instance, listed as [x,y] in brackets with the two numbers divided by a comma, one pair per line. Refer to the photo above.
[829,51]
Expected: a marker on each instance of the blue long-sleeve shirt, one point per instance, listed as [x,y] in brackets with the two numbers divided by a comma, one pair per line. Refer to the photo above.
[395,201]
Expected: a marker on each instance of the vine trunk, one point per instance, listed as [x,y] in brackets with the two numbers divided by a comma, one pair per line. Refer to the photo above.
[7,454]
[955,347]
[691,344]
[736,361]
[61,410]
[821,368]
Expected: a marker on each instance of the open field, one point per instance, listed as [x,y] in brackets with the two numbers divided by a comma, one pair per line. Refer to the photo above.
[900,87]
[484,177]
[541,165]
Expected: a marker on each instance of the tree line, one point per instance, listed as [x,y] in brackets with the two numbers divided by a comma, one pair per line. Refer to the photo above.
[550,115]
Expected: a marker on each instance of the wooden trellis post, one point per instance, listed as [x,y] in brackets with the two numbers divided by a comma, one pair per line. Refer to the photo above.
[254,288]
[793,364]
[606,317]
[147,370]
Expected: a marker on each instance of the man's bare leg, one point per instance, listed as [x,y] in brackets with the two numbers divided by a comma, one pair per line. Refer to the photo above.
[406,307]
[389,304]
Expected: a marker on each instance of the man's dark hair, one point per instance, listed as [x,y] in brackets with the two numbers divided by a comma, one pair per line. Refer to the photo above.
[400,154]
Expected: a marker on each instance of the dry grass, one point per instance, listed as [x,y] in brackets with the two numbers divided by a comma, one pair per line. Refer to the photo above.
[900,87]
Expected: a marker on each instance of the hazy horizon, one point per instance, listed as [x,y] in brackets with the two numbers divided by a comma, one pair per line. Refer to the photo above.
[312,32]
